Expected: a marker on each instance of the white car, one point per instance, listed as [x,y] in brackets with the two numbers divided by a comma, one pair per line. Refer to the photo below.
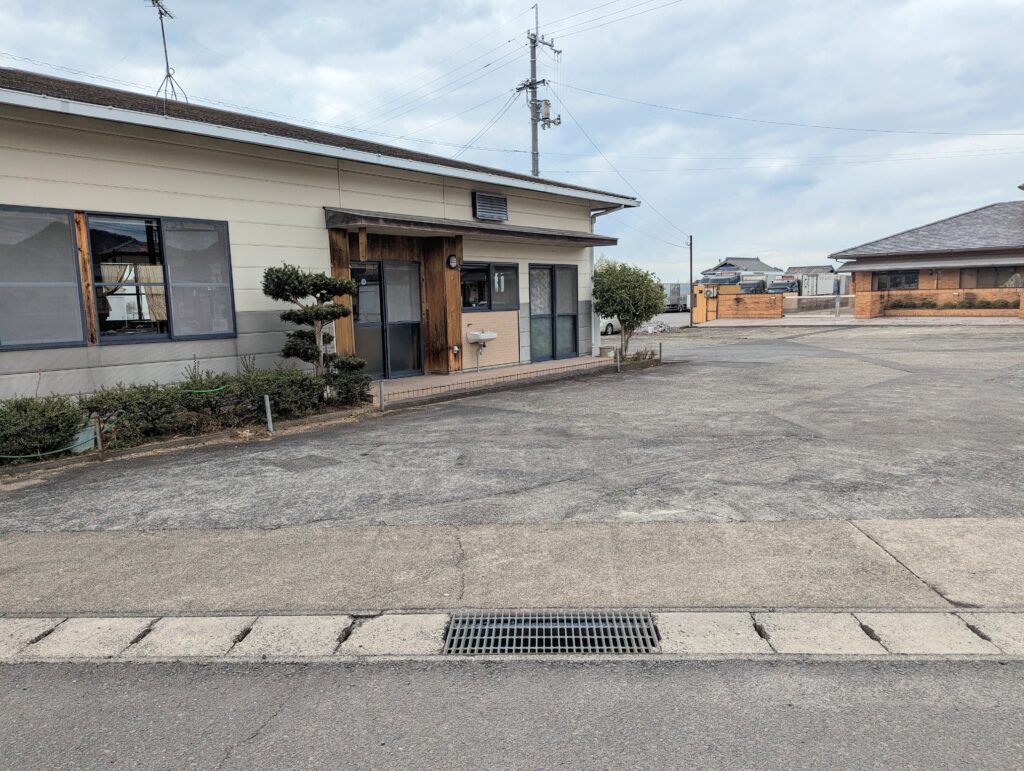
[610,326]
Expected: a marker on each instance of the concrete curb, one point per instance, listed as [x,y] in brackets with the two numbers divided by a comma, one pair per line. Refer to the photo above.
[342,638]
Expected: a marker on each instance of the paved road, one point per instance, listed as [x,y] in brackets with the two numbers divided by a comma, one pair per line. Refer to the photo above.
[515,715]
[776,424]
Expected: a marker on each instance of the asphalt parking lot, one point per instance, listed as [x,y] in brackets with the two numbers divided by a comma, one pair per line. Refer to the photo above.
[737,425]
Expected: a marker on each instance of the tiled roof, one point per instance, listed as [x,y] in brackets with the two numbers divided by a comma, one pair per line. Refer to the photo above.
[77,91]
[743,263]
[993,227]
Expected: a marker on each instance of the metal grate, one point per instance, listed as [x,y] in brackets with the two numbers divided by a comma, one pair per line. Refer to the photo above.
[503,632]
[490,206]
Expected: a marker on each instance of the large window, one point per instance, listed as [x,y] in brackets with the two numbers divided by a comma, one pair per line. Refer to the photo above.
[40,295]
[992,278]
[900,279]
[490,287]
[160,278]
[151,279]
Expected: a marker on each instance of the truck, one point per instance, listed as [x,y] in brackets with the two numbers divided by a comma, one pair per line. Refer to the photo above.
[677,297]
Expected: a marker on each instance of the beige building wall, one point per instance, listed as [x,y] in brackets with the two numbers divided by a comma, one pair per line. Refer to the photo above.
[273,203]
[503,350]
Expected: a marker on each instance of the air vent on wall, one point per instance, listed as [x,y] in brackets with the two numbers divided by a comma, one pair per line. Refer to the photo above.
[490,206]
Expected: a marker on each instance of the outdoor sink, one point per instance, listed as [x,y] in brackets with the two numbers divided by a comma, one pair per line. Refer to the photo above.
[482,336]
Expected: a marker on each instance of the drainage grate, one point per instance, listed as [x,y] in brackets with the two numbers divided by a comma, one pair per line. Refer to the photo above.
[495,632]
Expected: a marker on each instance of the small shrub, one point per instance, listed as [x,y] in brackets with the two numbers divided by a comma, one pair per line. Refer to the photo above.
[347,378]
[929,303]
[1015,303]
[984,304]
[33,425]
[1000,303]
[948,306]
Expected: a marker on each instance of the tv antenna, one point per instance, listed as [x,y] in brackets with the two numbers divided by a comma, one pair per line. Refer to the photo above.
[169,87]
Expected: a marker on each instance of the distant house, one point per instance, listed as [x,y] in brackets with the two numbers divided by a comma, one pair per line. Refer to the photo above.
[743,266]
[971,262]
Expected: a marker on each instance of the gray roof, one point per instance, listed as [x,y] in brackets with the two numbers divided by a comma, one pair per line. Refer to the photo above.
[993,227]
[87,93]
[743,263]
[806,269]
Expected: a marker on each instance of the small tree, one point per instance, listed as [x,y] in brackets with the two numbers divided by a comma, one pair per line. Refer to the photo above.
[316,296]
[632,294]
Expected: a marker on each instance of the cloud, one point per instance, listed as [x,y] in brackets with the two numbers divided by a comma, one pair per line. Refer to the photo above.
[787,194]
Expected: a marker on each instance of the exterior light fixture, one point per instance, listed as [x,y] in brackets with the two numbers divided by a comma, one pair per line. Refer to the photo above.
[453,261]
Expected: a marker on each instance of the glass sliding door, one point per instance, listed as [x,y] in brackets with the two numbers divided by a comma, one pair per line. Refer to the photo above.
[553,312]
[368,316]
[388,318]
[404,316]
[565,312]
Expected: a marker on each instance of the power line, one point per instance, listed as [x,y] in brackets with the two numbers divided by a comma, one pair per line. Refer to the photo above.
[444,90]
[251,110]
[795,165]
[447,59]
[580,13]
[564,32]
[487,126]
[456,115]
[619,173]
[788,123]
[375,114]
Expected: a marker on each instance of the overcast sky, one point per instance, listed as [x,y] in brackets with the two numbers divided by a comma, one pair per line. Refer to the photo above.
[790,195]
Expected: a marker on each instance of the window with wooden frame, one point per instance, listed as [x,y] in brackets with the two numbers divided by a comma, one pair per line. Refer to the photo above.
[490,287]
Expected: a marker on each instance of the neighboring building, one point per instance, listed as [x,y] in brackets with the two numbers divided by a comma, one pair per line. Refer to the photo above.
[748,268]
[134,233]
[817,279]
[951,266]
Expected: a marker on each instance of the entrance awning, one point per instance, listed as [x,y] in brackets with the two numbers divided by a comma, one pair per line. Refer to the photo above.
[400,224]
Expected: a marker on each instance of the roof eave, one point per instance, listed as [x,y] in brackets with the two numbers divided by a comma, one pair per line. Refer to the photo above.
[848,255]
[120,115]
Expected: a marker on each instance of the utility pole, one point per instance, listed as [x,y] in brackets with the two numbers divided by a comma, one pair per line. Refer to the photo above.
[540,110]
[691,294]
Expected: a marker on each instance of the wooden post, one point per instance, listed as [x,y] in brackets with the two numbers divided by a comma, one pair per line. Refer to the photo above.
[362,245]
[341,267]
[85,271]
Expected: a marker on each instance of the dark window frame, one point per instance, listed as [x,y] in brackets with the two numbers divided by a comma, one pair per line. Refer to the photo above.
[168,290]
[77,271]
[888,274]
[490,267]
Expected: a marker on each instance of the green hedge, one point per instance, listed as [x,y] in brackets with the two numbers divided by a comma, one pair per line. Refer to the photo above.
[206,402]
[203,402]
[37,425]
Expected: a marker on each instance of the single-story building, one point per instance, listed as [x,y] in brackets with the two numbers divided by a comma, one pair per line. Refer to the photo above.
[968,264]
[748,268]
[134,232]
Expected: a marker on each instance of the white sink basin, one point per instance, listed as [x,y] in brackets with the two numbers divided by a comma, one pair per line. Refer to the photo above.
[482,336]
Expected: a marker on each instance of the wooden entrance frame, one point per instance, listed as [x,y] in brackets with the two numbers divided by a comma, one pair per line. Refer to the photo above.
[440,288]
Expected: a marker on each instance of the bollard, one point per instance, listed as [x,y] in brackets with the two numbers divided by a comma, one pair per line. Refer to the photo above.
[618,361]
[270,418]
[659,351]
[381,396]
[99,436]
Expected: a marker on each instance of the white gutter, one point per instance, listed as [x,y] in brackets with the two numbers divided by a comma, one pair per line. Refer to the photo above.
[120,115]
